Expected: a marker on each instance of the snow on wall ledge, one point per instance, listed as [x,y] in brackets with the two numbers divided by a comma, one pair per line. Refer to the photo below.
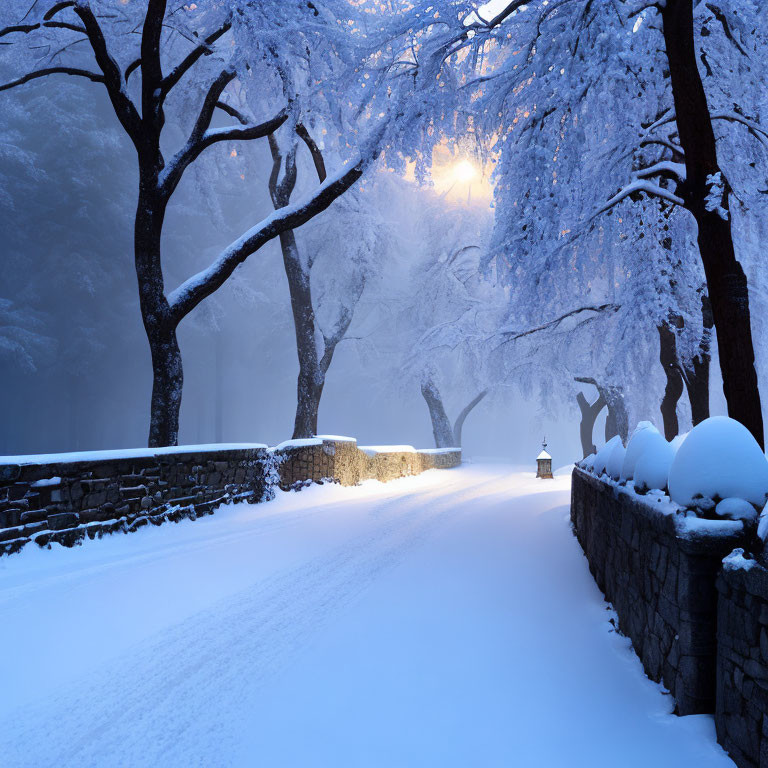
[659,571]
[65,497]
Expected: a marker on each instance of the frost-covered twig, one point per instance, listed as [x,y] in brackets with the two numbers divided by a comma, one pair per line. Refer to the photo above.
[639,185]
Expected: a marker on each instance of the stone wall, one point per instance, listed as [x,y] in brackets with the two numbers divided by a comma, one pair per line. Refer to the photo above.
[741,715]
[67,497]
[658,567]
[108,491]
[341,460]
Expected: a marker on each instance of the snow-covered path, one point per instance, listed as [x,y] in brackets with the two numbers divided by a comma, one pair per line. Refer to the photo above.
[443,620]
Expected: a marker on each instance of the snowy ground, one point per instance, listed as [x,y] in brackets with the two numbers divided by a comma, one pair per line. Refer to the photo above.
[442,620]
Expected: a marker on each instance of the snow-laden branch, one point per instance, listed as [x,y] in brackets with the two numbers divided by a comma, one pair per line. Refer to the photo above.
[595,310]
[37,73]
[663,168]
[721,17]
[204,49]
[124,108]
[314,150]
[27,28]
[664,142]
[639,185]
[755,129]
[476,18]
[203,137]
[190,293]
[232,112]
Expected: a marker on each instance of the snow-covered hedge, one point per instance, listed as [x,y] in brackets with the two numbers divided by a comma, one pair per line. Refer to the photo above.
[717,469]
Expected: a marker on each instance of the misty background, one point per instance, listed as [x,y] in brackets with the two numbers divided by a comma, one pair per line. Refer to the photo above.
[76,373]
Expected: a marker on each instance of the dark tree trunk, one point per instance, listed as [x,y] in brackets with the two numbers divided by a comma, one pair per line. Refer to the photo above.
[726,282]
[697,373]
[309,388]
[167,383]
[674,389]
[589,414]
[617,421]
[458,426]
[311,377]
[441,426]
[160,326]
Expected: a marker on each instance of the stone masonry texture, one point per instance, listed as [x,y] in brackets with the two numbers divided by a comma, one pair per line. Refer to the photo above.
[741,716]
[662,586]
[66,501]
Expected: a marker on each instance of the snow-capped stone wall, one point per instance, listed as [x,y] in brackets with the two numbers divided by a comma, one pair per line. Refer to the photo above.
[340,459]
[741,715]
[658,567]
[65,497]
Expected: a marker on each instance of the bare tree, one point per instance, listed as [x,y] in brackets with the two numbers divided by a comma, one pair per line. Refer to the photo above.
[589,414]
[693,376]
[143,120]
[445,435]
[702,189]
[617,421]
[313,363]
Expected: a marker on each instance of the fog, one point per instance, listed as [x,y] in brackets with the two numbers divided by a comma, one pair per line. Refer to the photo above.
[77,372]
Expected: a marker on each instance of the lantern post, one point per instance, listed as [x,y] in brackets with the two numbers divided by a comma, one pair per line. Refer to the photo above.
[544,463]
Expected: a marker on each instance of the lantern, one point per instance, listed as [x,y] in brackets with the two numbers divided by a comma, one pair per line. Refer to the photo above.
[544,463]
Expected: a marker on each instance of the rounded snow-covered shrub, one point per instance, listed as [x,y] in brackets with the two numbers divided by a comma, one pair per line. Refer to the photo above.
[652,467]
[719,459]
[644,435]
[604,454]
[736,509]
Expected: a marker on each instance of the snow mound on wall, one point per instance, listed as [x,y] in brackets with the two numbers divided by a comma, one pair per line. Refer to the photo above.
[762,526]
[736,509]
[588,463]
[604,454]
[616,461]
[719,458]
[300,442]
[651,471]
[644,436]
[372,450]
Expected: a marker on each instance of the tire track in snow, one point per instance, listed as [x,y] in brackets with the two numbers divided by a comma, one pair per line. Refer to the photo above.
[226,651]
[148,550]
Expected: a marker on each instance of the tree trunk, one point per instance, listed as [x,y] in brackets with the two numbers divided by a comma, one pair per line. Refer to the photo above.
[160,326]
[462,417]
[589,414]
[311,377]
[617,421]
[697,373]
[167,383]
[674,389]
[726,282]
[441,426]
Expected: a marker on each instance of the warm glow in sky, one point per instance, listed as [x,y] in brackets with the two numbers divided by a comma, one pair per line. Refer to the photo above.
[460,177]
[464,171]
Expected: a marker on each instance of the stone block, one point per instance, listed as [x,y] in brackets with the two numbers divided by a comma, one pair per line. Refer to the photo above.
[9,472]
[10,517]
[62,520]
[34,516]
